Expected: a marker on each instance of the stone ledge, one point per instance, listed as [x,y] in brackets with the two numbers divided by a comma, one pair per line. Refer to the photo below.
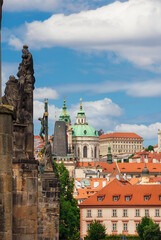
[30,161]
[7,109]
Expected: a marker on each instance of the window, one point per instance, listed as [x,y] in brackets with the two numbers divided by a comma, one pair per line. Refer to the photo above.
[146,198]
[127,198]
[114,212]
[88,212]
[115,198]
[157,212]
[88,227]
[147,212]
[124,212]
[100,198]
[99,213]
[136,225]
[159,197]
[137,212]
[85,152]
[114,227]
[92,153]
[95,152]
[78,152]
[124,226]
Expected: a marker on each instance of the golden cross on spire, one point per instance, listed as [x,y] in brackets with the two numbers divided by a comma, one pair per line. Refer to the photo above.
[80,103]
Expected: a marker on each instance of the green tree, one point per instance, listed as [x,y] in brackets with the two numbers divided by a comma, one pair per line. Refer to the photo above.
[146,221]
[152,232]
[69,222]
[97,231]
[150,148]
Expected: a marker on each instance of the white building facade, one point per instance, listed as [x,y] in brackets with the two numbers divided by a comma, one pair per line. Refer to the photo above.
[120,207]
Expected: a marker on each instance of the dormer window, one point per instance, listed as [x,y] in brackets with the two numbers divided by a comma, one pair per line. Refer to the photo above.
[146,197]
[115,198]
[159,197]
[100,198]
[128,198]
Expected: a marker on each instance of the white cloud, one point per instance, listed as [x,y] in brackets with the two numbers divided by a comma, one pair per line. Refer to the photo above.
[131,29]
[147,132]
[39,110]
[31,5]
[16,42]
[148,88]
[48,5]
[42,93]
[100,114]
[7,70]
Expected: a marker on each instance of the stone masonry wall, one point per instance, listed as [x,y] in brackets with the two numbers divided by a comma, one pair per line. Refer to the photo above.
[25,200]
[5,173]
[48,207]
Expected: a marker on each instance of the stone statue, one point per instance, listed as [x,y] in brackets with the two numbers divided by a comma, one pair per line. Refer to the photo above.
[1,3]
[19,92]
[11,87]
[42,130]
[48,156]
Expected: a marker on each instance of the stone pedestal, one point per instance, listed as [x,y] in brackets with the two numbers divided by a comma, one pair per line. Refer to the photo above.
[6,130]
[25,189]
[48,206]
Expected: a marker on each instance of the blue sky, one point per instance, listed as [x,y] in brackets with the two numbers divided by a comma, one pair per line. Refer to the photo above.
[105,52]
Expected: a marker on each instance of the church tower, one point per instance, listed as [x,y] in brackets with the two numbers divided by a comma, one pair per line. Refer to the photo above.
[64,116]
[85,139]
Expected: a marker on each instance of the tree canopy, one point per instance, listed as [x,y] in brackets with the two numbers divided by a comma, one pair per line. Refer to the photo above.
[69,222]
[97,231]
[152,232]
[150,148]
[147,229]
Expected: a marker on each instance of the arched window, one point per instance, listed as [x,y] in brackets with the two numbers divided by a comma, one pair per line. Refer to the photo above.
[95,152]
[92,153]
[85,152]
[78,152]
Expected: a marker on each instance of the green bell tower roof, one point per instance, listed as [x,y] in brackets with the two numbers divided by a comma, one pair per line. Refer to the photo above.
[81,113]
[81,128]
[64,116]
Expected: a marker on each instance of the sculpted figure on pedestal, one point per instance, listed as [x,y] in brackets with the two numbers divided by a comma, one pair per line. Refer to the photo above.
[19,92]
[42,130]
[48,156]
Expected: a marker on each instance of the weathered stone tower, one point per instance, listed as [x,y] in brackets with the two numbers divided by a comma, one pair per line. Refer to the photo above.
[6,129]
[19,94]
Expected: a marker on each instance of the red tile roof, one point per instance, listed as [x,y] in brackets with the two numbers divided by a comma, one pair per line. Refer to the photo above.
[138,167]
[120,135]
[123,167]
[136,192]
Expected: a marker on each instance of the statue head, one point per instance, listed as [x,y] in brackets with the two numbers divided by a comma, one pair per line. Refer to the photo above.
[12,79]
[25,51]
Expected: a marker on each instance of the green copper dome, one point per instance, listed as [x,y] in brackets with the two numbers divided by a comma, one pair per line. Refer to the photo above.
[81,127]
[80,130]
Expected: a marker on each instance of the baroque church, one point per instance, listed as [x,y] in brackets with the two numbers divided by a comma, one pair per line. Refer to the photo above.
[81,140]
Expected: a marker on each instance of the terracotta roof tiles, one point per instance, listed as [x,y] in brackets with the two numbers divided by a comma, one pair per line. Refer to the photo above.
[120,135]
[136,193]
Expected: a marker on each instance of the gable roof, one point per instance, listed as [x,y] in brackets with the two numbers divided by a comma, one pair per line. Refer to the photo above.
[136,193]
[120,135]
